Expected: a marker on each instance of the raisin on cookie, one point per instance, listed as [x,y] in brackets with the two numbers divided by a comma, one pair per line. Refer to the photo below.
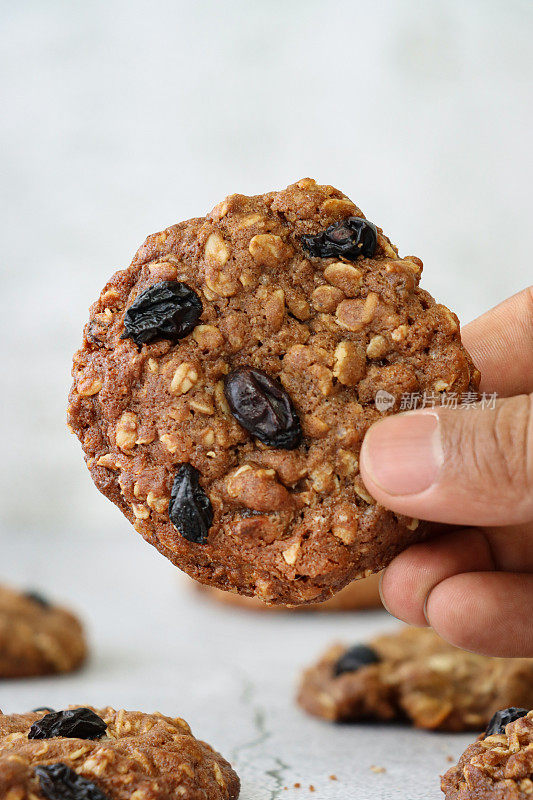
[499,766]
[414,675]
[102,754]
[227,378]
[36,637]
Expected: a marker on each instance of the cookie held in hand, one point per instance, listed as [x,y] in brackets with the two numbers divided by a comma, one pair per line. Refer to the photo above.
[227,378]
[356,596]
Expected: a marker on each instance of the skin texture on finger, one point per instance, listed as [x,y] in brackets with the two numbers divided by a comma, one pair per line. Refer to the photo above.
[484,612]
[501,345]
[410,578]
[512,547]
[461,467]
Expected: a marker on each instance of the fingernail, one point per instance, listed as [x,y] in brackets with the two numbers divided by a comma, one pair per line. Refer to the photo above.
[403,454]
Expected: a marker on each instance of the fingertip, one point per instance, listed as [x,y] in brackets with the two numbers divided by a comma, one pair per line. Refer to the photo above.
[413,574]
[402,590]
[484,612]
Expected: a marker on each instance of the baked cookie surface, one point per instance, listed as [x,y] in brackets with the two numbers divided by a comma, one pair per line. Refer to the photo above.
[358,595]
[36,637]
[499,766]
[414,675]
[227,378]
[90,754]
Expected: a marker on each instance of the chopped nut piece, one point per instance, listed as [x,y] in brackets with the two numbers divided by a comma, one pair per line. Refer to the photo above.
[109,461]
[126,431]
[159,504]
[140,511]
[221,282]
[208,337]
[169,442]
[339,208]
[269,250]
[355,314]
[87,387]
[248,220]
[298,307]
[361,490]
[314,426]
[322,478]
[399,333]
[185,376]
[216,249]
[323,377]
[220,399]
[291,553]
[344,277]
[326,298]
[202,405]
[350,363]
[377,347]
[258,489]
[345,525]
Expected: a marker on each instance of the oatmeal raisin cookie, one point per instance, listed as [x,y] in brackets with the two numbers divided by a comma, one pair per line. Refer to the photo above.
[36,637]
[227,378]
[414,675]
[499,766]
[108,755]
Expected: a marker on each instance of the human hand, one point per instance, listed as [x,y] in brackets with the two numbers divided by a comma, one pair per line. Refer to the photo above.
[468,467]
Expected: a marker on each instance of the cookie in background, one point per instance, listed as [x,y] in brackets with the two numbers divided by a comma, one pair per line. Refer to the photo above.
[416,676]
[37,637]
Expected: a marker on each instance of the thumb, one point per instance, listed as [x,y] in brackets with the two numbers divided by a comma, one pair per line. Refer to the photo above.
[471,466]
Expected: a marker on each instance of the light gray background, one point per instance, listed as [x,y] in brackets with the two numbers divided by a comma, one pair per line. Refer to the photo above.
[120,118]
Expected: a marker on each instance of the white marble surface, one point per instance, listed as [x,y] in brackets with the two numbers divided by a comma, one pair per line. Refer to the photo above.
[119,118]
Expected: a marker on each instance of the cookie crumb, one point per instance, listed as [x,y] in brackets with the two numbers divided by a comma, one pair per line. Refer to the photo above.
[311,787]
[378,770]
[333,778]
[297,785]
[450,759]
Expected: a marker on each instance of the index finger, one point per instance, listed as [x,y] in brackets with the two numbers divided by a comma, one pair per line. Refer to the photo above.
[501,345]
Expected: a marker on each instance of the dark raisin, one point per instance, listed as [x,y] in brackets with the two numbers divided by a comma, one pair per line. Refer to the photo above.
[73,723]
[38,598]
[166,310]
[42,708]
[354,658]
[190,509]
[503,718]
[59,782]
[261,405]
[350,238]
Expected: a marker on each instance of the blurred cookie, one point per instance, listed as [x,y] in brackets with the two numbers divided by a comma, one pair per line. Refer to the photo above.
[414,674]
[104,754]
[499,766]
[354,597]
[36,637]
[227,378]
